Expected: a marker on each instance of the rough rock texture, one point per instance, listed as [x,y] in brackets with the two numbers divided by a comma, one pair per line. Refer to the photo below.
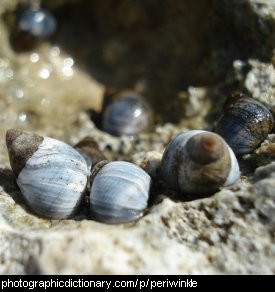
[187,76]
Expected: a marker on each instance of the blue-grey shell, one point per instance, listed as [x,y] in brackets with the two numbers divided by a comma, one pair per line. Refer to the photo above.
[244,125]
[119,193]
[37,23]
[126,116]
[54,180]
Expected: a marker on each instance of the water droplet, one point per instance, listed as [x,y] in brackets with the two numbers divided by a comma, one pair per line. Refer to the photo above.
[19,93]
[44,101]
[55,51]
[44,73]
[9,74]
[68,62]
[34,57]
[67,71]
[22,117]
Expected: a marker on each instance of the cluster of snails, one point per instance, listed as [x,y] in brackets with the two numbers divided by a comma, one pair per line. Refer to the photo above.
[53,176]
[53,179]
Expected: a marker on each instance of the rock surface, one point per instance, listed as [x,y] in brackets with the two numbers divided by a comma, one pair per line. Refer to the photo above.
[49,91]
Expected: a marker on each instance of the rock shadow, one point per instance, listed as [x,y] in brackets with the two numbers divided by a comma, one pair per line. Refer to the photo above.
[8,183]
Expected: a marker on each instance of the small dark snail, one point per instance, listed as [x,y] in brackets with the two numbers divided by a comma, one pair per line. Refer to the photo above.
[89,149]
[119,192]
[51,175]
[199,163]
[37,23]
[126,113]
[244,124]
[32,26]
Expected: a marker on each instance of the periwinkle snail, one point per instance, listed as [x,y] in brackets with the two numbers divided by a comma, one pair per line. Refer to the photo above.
[126,113]
[244,124]
[37,23]
[199,163]
[33,25]
[90,151]
[51,175]
[119,192]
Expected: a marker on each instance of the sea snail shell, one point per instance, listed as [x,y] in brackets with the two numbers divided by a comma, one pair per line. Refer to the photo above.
[199,163]
[127,114]
[37,23]
[51,175]
[245,124]
[90,151]
[119,192]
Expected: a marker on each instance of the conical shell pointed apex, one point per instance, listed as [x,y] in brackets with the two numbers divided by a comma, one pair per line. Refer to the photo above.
[21,146]
[206,148]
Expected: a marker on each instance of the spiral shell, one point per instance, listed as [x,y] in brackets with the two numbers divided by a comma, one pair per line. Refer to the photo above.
[51,175]
[119,193]
[90,151]
[127,114]
[245,124]
[37,23]
[199,163]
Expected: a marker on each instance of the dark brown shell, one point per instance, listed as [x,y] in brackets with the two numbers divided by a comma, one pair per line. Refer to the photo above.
[244,124]
[89,149]
[21,146]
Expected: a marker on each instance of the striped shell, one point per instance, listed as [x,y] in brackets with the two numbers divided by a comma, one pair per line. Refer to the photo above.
[127,115]
[119,192]
[245,124]
[52,179]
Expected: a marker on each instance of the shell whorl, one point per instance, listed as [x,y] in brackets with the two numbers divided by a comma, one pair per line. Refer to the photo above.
[53,178]
[204,148]
[199,162]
